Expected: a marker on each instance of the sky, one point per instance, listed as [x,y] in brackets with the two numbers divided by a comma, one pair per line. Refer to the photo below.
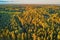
[29,1]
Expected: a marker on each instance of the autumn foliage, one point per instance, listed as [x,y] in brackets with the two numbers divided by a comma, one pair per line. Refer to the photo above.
[30,23]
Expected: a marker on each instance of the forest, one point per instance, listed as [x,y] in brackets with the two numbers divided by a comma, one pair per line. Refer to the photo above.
[30,22]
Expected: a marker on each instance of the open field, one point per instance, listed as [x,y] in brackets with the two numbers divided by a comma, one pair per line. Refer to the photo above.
[29,22]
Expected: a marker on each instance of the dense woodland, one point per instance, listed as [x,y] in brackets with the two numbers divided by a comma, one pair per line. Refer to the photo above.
[30,23]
